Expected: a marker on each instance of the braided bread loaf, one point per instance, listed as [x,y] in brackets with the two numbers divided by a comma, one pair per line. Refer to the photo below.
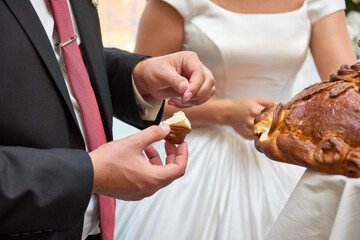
[319,128]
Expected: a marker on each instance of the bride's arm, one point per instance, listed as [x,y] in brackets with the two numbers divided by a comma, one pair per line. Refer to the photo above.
[331,45]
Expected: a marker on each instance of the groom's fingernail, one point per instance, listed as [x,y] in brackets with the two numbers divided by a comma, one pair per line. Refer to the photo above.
[187,96]
[182,86]
[165,127]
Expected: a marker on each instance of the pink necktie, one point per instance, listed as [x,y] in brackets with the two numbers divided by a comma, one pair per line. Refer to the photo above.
[84,94]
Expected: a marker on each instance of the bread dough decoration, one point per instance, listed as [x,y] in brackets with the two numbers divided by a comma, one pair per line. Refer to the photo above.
[179,127]
[319,128]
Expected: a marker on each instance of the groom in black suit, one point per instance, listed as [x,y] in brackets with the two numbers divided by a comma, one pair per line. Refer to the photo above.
[46,175]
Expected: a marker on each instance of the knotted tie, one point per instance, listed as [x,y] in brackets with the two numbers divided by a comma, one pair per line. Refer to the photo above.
[84,94]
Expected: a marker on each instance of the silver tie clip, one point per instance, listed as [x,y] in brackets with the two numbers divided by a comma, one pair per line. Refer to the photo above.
[64,43]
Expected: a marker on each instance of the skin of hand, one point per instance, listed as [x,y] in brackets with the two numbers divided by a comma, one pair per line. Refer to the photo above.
[179,77]
[242,112]
[122,171]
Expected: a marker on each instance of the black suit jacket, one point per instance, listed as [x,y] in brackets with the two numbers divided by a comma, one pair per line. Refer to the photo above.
[45,174]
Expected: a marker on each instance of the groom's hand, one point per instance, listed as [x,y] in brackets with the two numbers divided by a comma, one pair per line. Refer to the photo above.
[122,171]
[179,77]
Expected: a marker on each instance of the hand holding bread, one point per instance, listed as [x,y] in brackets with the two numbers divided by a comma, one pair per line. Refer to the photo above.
[319,128]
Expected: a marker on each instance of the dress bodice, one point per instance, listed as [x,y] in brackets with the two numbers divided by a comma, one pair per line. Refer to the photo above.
[249,54]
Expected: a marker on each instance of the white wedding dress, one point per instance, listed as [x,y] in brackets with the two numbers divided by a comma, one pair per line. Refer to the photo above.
[229,191]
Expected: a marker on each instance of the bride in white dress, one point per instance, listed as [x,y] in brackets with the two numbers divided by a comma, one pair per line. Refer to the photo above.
[255,50]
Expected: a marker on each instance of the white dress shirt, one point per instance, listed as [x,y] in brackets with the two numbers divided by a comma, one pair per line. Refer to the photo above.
[148,109]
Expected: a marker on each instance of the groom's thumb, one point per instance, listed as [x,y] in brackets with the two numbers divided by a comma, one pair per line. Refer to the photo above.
[151,134]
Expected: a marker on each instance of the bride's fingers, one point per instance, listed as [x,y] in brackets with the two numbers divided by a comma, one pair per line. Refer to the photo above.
[178,103]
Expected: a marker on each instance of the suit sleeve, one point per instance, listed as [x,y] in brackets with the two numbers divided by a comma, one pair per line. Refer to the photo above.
[119,66]
[35,193]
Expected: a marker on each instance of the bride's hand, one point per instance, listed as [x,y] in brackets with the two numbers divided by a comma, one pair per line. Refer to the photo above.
[243,112]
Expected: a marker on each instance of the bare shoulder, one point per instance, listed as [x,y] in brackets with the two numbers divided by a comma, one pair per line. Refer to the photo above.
[161,29]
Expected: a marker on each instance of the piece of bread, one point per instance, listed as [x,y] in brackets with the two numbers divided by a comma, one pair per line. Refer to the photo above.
[319,128]
[179,127]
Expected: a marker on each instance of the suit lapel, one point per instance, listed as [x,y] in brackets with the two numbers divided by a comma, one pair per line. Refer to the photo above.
[28,19]
[87,21]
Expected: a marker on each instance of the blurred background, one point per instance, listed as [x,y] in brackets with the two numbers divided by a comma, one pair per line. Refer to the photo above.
[119,20]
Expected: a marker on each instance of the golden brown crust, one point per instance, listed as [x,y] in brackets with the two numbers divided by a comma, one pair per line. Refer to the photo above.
[179,128]
[177,134]
[319,128]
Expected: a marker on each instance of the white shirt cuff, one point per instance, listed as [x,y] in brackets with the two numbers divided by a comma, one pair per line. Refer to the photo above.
[148,106]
